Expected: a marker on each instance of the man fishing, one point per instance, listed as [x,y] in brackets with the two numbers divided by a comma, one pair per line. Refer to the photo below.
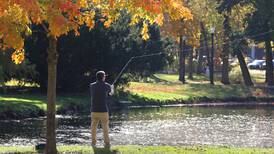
[100,90]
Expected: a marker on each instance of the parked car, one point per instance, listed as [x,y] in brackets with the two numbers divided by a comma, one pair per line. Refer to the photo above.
[264,65]
[256,64]
[248,60]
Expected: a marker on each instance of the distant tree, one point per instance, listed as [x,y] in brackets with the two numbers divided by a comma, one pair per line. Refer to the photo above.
[186,32]
[234,13]
[2,80]
[260,28]
[59,17]
[239,46]
[206,14]
[102,48]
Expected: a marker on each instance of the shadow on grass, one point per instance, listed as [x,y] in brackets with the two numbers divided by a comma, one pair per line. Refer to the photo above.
[174,78]
[219,91]
[97,150]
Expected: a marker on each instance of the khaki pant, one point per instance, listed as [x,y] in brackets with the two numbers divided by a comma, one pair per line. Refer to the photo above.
[102,117]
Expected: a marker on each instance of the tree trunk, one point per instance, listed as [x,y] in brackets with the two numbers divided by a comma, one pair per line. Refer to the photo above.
[225,53]
[244,69]
[190,64]
[51,96]
[269,63]
[2,80]
[200,58]
[211,66]
[203,30]
[182,60]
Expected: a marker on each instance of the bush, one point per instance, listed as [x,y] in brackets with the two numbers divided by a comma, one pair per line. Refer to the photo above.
[236,74]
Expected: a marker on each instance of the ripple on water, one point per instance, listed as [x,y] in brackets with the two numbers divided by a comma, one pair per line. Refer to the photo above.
[238,127]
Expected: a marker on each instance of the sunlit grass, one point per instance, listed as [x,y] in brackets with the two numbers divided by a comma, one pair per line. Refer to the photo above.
[27,99]
[191,150]
[166,88]
[17,149]
[19,99]
[168,77]
[161,96]
[258,76]
[132,149]
[174,78]
[27,104]
[171,91]
[170,88]
[14,82]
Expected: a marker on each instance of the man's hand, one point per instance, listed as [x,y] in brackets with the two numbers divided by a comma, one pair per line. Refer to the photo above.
[111,89]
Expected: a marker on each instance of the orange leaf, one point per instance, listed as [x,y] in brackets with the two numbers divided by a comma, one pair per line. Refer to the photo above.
[111,3]
[18,56]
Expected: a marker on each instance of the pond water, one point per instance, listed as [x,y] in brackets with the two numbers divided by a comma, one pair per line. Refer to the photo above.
[238,127]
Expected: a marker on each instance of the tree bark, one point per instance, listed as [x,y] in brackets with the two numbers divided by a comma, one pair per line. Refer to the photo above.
[244,69]
[211,66]
[200,58]
[182,60]
[225,53]
[203,30]
[269,63]
[2,80]
[51,96]
[190,64]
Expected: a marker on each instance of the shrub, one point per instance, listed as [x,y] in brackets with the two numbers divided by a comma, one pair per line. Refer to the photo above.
[236,74]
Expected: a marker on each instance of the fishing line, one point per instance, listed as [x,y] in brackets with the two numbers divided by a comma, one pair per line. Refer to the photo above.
[134,58]
[203,47]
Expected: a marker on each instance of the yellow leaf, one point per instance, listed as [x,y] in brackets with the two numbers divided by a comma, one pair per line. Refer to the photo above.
[144,31]
[83,3]
[111,3]
[107,23]
[96,1]
[90,22]
[18,56]
[159,19]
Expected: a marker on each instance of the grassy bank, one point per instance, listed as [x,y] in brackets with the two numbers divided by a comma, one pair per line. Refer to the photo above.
[161,90]
[33,105]
[168,88]
[143,150]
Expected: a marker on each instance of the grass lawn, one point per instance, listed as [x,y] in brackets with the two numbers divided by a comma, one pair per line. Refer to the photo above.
[258,76]
[131,149]
[30,105]
[170,88]
[166,88]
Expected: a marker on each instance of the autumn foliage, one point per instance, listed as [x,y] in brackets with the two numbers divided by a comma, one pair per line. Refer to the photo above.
[59,17]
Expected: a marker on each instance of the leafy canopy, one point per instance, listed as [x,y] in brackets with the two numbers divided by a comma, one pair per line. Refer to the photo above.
[59,17]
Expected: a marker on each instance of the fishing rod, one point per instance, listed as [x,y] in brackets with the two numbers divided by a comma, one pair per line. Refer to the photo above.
[160,53]
[126,65]
[130,60]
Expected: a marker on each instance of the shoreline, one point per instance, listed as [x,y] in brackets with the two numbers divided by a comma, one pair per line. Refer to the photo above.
[9,113]
[200,102]
[221,104]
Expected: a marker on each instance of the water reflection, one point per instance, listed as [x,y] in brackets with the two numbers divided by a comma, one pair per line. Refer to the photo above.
[240,127]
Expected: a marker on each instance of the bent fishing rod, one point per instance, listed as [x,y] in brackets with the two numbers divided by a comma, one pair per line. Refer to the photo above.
[132,59]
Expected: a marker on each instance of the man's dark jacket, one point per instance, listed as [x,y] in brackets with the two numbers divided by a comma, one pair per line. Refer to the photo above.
[99,92]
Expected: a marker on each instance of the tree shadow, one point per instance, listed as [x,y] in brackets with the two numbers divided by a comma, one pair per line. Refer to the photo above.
[14,109]
[219,91]
[98,150]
